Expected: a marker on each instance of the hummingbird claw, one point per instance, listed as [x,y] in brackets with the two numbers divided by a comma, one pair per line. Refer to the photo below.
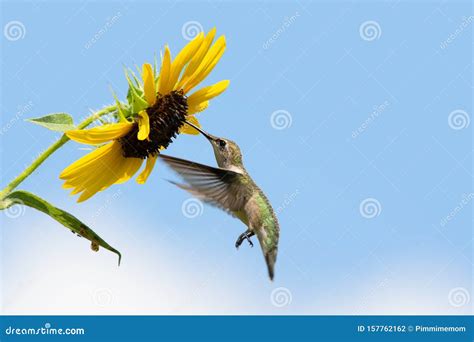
[244,236]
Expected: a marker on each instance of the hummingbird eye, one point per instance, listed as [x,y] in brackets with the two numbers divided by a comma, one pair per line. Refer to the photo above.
[222,143]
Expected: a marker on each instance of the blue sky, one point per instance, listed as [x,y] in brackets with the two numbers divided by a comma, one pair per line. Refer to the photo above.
[354,118]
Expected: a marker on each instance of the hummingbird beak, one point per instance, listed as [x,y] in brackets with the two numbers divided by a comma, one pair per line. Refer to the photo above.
[207,135]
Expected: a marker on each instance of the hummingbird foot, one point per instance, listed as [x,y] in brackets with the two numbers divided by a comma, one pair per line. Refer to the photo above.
[244,236]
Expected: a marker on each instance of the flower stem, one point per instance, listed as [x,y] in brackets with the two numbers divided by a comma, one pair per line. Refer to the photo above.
[51,149]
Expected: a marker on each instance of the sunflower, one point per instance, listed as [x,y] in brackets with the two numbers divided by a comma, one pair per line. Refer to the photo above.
[157,108]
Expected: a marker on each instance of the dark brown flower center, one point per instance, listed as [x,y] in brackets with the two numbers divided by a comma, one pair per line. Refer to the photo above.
[167,115]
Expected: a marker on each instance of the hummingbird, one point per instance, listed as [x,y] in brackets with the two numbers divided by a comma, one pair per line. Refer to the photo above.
[230,187]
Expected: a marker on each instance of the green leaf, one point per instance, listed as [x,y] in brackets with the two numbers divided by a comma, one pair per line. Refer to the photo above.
[59,122]
[69,221]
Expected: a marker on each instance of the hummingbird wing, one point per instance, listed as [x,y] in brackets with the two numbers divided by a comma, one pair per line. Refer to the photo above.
[227,190]
[220,187]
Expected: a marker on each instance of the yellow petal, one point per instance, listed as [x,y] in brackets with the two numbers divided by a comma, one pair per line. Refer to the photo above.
[130,167]
[86,161]
[199,107]
[101,134]
[186,129]
[108,167]
[149,84]
[209,62]
[207,93]
[81,174]
[99,174]
[197,58]
[150,163]
[163,83]
[143,125]
[103,181]
[183,57]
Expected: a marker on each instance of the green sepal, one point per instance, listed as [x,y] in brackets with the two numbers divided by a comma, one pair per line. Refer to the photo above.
[139,71]
[21,197]
[155,65]
[122,111]
[155,71]
[135,94]
[59,122]
[135,78]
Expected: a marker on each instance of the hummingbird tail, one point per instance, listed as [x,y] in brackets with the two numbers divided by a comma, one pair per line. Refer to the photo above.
[270,258]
